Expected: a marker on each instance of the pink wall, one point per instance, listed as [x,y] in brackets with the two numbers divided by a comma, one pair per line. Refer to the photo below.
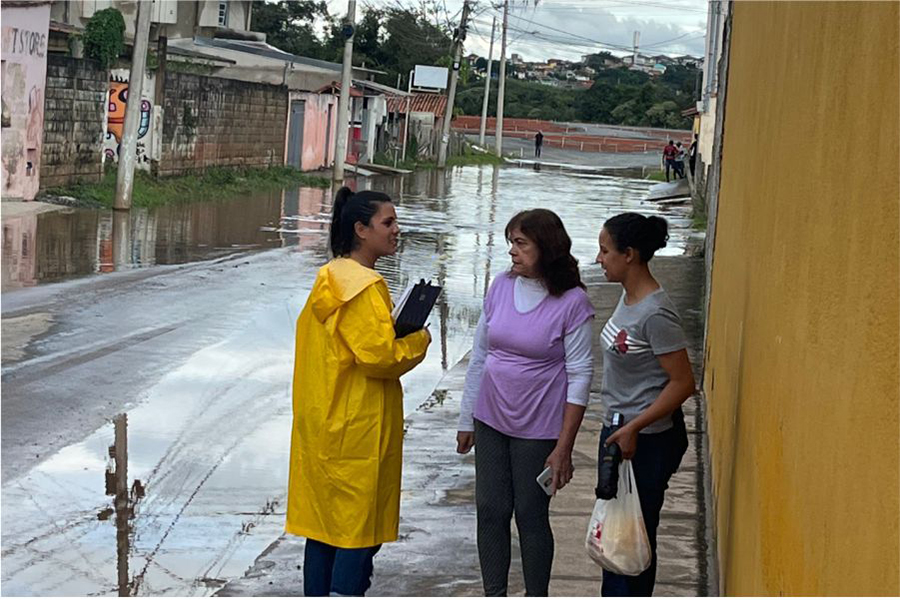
[25,29]
[318,138]
[19,264]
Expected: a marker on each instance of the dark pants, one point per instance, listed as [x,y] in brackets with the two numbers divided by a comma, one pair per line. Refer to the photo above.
[506,470]
[344,571]
[670,164]
[655,461]
[537,150]
[679,168]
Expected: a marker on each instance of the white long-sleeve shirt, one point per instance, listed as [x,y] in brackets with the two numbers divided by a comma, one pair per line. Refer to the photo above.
[528,293]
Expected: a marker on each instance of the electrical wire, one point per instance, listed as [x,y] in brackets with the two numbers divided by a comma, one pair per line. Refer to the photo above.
[581,38]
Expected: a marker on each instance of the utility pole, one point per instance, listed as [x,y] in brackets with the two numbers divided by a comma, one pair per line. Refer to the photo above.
[451,95]
[128,153]
[340,143]
[637,41]
[498,134]
[409,83]
[487,87]
[122,500]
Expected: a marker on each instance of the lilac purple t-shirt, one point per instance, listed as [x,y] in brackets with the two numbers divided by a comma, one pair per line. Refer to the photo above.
[523,388]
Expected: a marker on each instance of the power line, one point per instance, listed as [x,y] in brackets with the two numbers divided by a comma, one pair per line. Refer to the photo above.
[574,36]
[577,36]
[530,21]
[605,4]
[683,35]
[544,39]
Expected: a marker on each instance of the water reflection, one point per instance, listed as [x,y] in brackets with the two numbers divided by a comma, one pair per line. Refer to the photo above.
[59,245]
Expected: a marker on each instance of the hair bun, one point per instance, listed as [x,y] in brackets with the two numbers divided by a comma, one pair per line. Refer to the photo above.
[658,231]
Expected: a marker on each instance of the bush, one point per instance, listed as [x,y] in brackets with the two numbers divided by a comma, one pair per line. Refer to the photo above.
[104,37]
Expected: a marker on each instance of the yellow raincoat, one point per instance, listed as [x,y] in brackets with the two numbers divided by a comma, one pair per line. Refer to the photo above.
[347,439]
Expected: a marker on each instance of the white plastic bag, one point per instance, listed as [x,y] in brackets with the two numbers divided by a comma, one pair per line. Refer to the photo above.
[617,538]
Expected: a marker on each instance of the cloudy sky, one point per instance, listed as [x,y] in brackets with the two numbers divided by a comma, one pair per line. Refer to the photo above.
[570,28]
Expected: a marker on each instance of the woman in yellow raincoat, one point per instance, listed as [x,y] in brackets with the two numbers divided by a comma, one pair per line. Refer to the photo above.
[347,438]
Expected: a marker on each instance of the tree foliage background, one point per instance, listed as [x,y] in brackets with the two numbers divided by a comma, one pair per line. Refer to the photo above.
[395,38]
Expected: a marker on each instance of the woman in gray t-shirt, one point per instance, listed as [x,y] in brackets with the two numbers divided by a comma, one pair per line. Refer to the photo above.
[646,376]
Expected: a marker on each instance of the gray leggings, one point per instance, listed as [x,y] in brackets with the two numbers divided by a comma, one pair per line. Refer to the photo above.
[506,470]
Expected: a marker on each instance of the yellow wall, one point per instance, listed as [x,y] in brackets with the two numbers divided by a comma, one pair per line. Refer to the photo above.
[802,357]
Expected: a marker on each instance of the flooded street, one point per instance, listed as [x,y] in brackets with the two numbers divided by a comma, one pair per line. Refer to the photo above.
[183,318]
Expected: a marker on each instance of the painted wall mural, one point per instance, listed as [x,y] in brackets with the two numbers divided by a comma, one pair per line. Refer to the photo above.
[117,100]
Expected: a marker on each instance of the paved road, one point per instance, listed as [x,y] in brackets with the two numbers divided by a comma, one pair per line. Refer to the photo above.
[525,148]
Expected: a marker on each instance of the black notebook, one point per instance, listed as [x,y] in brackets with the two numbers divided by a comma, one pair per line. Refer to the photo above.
[414,306]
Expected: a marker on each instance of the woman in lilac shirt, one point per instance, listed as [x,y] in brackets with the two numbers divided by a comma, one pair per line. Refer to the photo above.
[526,390]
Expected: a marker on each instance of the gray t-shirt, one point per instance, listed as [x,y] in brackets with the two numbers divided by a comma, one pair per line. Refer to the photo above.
[631,341]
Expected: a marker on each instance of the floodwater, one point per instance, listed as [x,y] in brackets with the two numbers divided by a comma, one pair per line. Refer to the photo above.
[207,441]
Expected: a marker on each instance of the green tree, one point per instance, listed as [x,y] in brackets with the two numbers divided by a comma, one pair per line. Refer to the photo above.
[410,39]
[680,78]
[664,114]
[465,71]
[597,103]
[622,76]
[627,113]
[289,25]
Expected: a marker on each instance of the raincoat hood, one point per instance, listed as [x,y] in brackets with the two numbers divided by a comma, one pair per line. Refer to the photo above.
[339,282]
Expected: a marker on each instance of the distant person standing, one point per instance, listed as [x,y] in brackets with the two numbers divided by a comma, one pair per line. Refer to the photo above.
[669,153]
[679,160]
[538,144]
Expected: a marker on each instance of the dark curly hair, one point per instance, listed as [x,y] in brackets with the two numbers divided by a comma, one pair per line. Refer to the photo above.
[556,266]
[349,209]
[632,230]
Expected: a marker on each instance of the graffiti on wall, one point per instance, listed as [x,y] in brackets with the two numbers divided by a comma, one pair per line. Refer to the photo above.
[24,40]
[117,100]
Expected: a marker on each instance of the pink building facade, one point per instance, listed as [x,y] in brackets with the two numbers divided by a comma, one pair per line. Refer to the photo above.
[24,52]
[310,131]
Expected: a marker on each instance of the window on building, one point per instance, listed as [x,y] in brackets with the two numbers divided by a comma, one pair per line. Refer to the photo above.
[223,13]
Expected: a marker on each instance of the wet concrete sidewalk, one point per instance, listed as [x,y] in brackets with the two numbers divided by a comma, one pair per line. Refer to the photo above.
[15,208]
[436,554]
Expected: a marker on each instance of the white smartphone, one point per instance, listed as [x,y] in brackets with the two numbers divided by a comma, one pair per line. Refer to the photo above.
[545,480]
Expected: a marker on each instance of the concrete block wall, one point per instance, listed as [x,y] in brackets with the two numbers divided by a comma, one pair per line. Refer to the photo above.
[210,121]
[74,114]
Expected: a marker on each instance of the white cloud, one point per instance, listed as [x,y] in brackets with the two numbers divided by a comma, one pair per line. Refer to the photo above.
[570,28]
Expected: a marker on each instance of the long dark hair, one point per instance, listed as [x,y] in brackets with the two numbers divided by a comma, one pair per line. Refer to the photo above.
[349,209]
[644,234]
[556,266]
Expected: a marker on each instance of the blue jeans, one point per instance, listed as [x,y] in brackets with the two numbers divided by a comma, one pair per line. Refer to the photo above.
[328,570]
[656,459]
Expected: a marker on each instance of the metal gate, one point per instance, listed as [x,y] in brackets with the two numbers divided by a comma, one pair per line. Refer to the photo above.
[295,136]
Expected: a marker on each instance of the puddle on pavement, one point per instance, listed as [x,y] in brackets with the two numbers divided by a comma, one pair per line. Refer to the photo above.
[59,245]
[209,442]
